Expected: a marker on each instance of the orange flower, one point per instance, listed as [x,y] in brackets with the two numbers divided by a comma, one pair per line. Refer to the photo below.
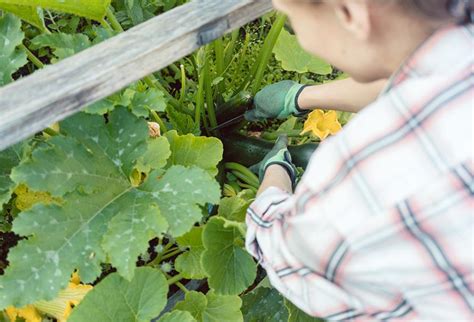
[322,124]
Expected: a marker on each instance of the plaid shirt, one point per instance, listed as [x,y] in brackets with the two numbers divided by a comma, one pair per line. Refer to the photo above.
[381,224]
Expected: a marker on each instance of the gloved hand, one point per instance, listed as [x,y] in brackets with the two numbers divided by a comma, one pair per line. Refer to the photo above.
[279,154]
[278,100]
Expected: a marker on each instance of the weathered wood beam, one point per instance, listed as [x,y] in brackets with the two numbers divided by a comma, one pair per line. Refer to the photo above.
[57,91]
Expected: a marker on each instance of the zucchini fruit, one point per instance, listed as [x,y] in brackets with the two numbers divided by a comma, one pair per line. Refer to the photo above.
[249,151]
[235,106]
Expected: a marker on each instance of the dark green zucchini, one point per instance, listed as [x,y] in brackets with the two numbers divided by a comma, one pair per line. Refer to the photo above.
[248,150]
[234,107]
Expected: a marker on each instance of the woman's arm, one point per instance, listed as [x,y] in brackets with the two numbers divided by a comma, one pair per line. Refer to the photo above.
[342,95]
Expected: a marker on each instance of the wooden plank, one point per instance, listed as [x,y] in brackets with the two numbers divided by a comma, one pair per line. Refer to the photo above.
[57,91]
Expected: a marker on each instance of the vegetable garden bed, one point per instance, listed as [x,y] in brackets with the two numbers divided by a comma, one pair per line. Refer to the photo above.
[112,211]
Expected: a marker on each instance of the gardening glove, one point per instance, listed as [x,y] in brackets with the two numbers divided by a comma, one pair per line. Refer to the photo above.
[278,100]
[279,154]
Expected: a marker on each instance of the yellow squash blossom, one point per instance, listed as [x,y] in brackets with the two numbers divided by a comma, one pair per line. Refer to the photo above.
[322,124]
[59,308]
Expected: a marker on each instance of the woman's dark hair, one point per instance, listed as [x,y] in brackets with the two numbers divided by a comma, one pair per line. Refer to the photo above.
[461,11]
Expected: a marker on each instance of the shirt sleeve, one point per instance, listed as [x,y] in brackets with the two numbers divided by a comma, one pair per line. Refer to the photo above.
[408,261]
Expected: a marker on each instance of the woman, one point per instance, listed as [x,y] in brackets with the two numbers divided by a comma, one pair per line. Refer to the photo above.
[380,226]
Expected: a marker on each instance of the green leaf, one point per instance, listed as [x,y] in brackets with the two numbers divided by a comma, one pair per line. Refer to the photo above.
[95,9]
[189,263]
[151,99]
[203,152]
[11,58]
[179,192]
[103,215]
[9,158]
[181,122]
[32,15]
[211,307]
[156,155]
[230,268]
[177,316]
[63,45]
[264,305]
[116,299]
[296,315]
[294,58]
[233,208]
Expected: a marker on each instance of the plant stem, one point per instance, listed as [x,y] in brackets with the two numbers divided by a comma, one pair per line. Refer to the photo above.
[243,170]
[171,254]
[50,131]
[182,287]
[174,279]
[158,120]
[274,135]
[183,84]
[113,20]
[219,50]
[31,56]
[209,96]
[245,179]
[199,97]
[229,50]
[266,51]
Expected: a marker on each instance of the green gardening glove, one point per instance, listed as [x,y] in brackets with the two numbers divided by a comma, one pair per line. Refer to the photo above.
[278,100]
[280,155]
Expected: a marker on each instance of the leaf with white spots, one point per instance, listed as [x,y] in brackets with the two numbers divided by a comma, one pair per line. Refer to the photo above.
[11,58]
[296,315]
[63,45]
[104,215]
[229,267]
[264,305]
[187,150]
[177,316]
[116,299]
[151,99]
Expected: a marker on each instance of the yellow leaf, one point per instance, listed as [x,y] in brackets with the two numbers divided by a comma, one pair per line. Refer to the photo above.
[321,124]
[26,198]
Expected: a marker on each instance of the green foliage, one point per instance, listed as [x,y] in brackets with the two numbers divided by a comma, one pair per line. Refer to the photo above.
[11,58]
[294,58]
[296,315]
[181,122]
[104,214]
[264,305]
[9,158]
[63,45]
[212,307]
[234,208]
[188,150]
[116,299]
[177,316]
[189,263]
[32,15]
[230,269]
[95,9]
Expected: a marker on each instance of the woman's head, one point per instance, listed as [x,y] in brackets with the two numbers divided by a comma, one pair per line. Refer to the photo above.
[368,39]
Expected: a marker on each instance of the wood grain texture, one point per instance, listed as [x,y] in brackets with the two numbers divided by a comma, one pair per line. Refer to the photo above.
[57,91]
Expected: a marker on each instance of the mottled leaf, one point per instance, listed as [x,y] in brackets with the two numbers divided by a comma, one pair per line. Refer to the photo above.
[116,299]
[296,315]
[264,305]
[294,58]
[229,267]
[151,99]
[212,307]
[11,58]
[9,158]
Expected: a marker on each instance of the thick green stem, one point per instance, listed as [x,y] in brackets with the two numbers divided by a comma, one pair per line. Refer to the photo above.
[219,50]
[175,279]
[31,56]
[171,254]
[266,52]
[182,287]
[50,131]
[211,112]
[229,50]
[200,97]
[183,85]
[274,135]
[243,173]
[113,20]
[158,120]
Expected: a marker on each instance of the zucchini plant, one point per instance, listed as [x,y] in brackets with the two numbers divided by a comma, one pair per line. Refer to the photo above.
[139,195]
